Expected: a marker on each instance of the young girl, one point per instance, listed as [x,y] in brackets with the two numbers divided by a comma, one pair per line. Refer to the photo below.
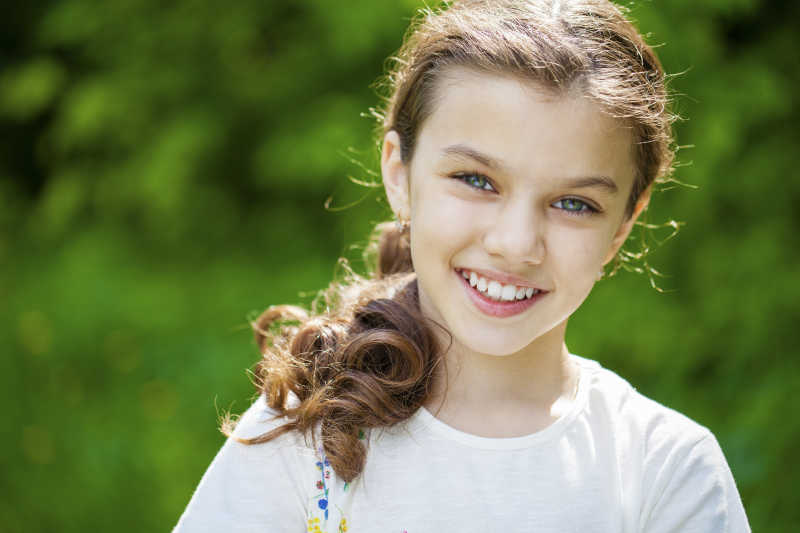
[521,141]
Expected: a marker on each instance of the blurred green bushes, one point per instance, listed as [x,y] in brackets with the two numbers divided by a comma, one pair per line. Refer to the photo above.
[163,172]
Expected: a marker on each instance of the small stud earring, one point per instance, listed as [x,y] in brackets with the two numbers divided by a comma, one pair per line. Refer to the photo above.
[402,224]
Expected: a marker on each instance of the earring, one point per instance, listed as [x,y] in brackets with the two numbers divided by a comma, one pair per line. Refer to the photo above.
[402,224]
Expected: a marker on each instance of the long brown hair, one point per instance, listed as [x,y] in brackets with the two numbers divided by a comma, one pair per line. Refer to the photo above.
[365,356]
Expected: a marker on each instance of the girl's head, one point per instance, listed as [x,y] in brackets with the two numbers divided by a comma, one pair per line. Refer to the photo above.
[521,140]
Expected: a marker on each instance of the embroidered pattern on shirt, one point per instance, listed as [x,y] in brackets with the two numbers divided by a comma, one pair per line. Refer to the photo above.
[322,510]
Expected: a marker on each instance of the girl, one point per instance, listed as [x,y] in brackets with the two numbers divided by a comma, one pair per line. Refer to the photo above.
[520,143]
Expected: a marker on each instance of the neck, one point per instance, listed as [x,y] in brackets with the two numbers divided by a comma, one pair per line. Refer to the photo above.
[537,381]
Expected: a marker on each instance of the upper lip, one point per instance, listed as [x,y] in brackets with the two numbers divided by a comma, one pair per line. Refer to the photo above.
[502,277]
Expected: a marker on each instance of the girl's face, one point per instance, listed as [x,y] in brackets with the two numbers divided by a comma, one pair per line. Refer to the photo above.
[521,191]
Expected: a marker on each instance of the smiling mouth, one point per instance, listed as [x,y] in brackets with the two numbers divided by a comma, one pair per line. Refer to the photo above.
[497,299]
[494,290]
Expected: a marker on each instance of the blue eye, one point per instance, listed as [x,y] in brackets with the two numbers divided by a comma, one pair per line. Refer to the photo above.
[477,181]
[575,206]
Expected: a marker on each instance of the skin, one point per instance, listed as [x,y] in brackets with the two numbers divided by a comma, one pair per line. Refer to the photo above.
[520,213]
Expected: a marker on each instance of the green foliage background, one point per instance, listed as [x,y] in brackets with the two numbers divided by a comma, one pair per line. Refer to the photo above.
[163,174]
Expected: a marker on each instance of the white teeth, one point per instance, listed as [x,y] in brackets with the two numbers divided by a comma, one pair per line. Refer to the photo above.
[509,293]
[495,290]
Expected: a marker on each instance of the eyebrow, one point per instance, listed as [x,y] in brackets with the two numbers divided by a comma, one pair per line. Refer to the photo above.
[603,182]
[462,150]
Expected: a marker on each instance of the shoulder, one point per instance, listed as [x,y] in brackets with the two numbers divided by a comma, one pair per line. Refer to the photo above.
[260,418]
[291,453]
[250,487]
[612,398]
[684,480]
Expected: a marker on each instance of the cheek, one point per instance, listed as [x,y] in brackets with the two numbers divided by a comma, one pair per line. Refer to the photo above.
[441,221]
[578,252]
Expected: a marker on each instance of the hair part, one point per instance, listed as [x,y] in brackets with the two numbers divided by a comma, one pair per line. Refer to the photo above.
[363,358]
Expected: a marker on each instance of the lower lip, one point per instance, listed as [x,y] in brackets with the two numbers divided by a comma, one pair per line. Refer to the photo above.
[496,308]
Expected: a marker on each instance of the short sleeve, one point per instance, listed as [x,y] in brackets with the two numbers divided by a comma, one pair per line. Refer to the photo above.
[252,488]
[695,493]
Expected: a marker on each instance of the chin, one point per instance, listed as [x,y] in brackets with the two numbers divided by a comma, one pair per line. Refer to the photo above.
[491,343]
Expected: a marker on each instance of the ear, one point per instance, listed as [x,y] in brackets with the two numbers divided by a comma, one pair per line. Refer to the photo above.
[395,175]
[627,225]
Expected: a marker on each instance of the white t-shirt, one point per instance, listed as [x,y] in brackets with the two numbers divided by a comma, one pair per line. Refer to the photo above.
[615,462]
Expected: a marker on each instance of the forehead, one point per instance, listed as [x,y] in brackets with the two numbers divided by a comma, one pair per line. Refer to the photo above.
[533,132]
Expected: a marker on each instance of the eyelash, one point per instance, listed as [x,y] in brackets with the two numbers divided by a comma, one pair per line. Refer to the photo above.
[585,208]
[465,176]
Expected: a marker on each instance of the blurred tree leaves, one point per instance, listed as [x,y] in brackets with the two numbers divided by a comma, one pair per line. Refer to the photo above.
[163,172]
[30,89]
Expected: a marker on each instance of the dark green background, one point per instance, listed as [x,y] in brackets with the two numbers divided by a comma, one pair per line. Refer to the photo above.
[163,173]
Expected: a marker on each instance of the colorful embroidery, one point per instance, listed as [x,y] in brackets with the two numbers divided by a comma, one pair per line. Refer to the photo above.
[325,473]
[318,515]
[313,525]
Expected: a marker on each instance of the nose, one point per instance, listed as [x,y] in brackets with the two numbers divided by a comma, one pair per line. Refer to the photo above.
[517,234]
